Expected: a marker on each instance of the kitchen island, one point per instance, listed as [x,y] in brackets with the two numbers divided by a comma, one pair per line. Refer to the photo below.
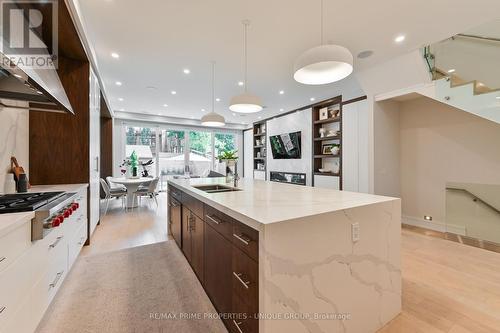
[324,260]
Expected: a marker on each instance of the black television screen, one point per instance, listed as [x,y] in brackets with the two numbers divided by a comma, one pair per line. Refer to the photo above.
[285,146]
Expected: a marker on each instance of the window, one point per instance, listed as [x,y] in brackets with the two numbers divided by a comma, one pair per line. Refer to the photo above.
[223,142]
[171,152]
[142,140]
[200,153]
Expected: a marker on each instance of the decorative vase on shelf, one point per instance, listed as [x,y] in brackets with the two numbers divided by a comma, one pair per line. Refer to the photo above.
[322,132]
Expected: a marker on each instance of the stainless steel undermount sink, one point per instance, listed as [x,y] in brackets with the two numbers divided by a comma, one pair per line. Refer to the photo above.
[216,188]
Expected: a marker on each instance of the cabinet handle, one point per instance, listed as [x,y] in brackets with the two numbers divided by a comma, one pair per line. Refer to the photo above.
[2,259]
[242,238]
[53,245]
[2,309]
[238,325]
[58,277]
[192,223]
[238,276]
[213,219]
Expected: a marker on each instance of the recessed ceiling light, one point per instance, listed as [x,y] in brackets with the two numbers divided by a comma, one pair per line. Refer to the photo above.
[18,76]
[281,110]
[241,83]
[259,117]
[186,71]
[451,70]
[165,105]
[202,110]
[122,109]
[400,38]
[115,55]
[480,84]
[159,114]
[217,99]
[120,99]
[282,92]
[173,92]
[312,99]
[234,114]
[118,83]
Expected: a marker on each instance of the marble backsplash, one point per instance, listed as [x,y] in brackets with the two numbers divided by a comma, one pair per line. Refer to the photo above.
[14,140]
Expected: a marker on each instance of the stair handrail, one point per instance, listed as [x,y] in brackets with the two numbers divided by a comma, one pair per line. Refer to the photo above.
[475,197]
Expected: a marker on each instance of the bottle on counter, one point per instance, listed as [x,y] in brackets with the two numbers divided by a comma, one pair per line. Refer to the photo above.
[10,184]
[22,183]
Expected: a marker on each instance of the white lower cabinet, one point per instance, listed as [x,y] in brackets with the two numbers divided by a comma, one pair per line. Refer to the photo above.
[32,278]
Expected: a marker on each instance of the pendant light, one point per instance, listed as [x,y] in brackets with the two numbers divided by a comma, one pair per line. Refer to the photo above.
[323,64]
[212,118]
[246,102]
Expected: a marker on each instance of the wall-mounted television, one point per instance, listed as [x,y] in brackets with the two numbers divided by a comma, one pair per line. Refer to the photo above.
[286,146]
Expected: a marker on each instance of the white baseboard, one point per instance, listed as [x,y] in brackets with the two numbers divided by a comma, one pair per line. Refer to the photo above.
[433,225]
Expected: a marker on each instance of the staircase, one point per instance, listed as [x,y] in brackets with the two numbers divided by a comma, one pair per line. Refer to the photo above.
[471,96]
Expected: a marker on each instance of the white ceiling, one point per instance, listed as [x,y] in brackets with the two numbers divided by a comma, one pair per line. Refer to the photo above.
[157,39]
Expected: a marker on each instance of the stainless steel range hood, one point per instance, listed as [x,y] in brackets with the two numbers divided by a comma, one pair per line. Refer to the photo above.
[40,87]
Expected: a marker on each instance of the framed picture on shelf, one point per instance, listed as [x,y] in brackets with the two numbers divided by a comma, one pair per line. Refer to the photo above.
[323,113]
[333,112]
[331,149]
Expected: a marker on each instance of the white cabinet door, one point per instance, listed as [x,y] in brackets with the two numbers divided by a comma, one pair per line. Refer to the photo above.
[355,147]
[248,153]
[95,146]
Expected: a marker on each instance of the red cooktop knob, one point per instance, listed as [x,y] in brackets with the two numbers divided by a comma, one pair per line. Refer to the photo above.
[66,213]
[70,210]
[74,206]
[55,222]
[77,205]
[61,218]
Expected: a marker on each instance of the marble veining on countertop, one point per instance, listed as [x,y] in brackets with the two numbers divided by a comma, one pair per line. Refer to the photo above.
[267,202]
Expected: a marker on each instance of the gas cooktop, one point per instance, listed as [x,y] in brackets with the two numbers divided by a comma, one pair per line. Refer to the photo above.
[26,202]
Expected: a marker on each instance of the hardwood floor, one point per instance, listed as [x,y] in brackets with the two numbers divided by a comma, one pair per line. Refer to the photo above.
[447,286]
[119,229]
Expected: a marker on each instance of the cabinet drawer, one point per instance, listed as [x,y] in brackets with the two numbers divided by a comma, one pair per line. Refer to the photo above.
[13,244]
[247,321]
[196,206]
[15,283]
[247,239]
[219,221]
[76,244]
[175,193]
[245,275]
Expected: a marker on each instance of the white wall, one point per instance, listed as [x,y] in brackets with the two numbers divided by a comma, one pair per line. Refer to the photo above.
[14,138]
[386,150]
[248,153]
[441,144]
[293,122]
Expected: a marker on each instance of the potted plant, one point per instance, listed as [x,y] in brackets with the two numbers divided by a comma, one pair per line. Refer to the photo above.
[230,158]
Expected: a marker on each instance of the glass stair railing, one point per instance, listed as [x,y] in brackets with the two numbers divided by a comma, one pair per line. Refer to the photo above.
[466,70]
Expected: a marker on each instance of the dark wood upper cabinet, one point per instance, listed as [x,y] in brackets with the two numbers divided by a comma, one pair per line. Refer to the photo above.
[218,272]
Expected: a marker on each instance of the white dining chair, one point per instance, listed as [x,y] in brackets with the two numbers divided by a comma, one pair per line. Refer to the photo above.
[112,193]
[149,191]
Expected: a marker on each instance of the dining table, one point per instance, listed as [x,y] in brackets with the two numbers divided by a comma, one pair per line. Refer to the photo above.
[131,184]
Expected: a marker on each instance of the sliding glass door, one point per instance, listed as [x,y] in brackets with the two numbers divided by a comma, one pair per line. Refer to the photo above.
[178,152]
[142,140]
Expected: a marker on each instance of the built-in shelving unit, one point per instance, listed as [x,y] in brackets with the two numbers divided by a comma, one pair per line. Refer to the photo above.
[327,137]
[259,146]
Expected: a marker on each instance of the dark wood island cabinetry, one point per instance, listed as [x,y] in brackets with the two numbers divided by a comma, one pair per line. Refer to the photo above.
[223,253]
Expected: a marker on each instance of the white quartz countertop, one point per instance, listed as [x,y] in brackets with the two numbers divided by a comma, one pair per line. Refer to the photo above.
[11,221]
[267,202]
